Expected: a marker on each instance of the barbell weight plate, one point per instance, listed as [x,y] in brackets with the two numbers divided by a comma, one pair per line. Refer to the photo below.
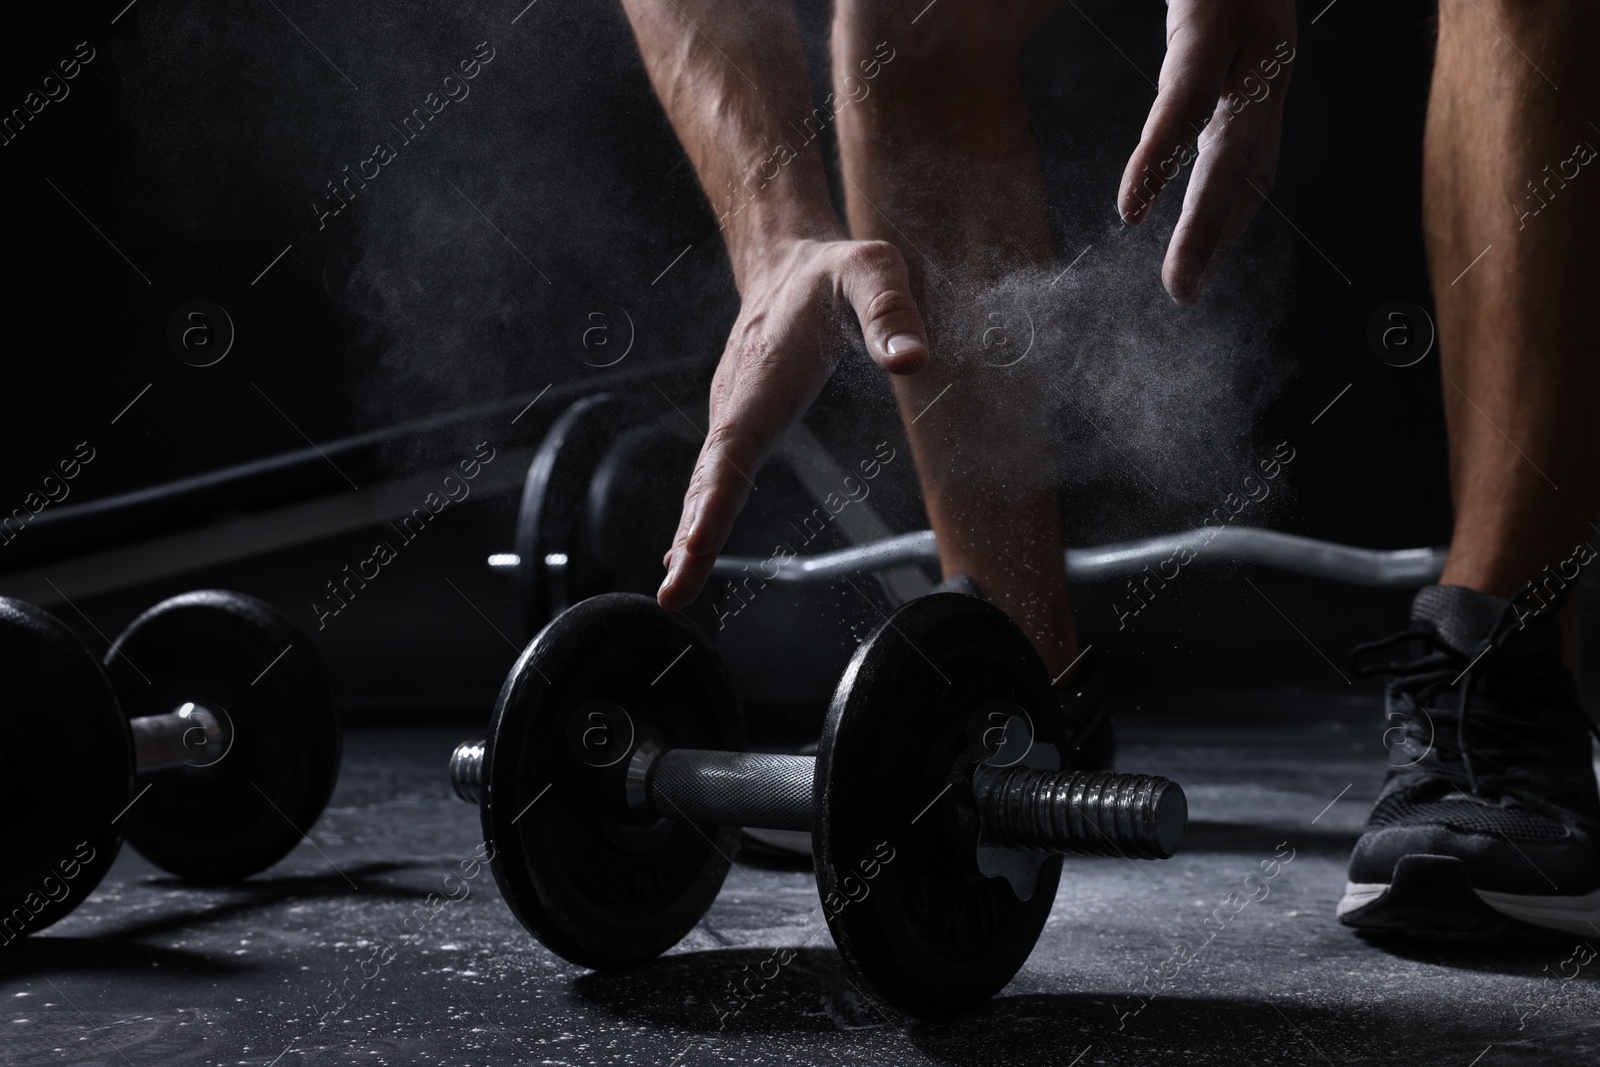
[559,566]
[594,885]
[635,497]
[66,770]
[910,914]
[232,816]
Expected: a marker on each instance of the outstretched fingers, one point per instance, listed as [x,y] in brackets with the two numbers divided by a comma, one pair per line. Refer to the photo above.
[1231,179]
[723,477]
[1191,80]
[781,351]
[1220,107]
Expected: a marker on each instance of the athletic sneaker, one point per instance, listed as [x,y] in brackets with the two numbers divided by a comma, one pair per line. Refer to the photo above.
[1488,826]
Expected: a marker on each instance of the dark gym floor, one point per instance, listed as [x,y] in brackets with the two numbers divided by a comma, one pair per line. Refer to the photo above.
[148,972]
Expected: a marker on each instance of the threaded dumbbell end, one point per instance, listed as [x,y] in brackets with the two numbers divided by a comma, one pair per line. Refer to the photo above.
[466,771]
[1082,813]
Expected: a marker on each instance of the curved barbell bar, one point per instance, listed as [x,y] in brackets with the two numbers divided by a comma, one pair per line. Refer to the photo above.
[1403,568]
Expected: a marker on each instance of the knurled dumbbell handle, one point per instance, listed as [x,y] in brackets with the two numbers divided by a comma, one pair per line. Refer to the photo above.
[764,789]
[697,785]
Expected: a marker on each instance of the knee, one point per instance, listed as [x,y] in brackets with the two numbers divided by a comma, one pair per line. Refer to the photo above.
[864,62]
[873,42]
[1505,16]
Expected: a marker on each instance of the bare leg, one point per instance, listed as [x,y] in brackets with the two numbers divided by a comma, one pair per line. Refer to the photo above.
[1521,377]
[939,160]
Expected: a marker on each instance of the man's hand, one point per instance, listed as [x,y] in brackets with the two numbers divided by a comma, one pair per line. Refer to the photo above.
[790,331]
[1222,89]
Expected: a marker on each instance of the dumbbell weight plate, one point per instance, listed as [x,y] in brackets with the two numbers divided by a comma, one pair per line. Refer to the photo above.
[924,930]
[558,499]
[241,813]
[66,770]
[596,887]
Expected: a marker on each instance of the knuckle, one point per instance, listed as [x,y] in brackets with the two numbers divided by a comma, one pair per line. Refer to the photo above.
[758,366]
[1177,118]
[873,257]
[888,303]
[1175,98]
[1257,166]
[728,439]
[746,360]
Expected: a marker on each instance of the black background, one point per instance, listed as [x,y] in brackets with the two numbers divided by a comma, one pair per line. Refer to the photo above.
[200,136]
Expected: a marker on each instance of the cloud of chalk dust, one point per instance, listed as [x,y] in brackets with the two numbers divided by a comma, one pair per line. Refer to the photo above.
[1146,413]
[469,268]
[539,190]
[1085,372]
[527,223]
[1161,405]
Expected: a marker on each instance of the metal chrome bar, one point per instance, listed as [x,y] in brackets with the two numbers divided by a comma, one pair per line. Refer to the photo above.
[466,771]
[1404,568]
[191,736]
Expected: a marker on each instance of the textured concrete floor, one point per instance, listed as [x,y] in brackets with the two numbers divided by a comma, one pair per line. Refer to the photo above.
[148,972]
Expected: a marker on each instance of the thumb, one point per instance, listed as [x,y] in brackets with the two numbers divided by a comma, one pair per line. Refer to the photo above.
[875,282]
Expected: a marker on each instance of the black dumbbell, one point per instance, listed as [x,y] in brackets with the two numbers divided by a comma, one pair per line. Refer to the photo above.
[612,787]
[208,739]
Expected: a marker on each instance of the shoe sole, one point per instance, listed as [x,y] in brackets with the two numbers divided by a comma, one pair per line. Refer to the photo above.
[1432,896]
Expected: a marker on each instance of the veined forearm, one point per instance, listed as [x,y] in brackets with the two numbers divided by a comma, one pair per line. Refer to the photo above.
[732,84]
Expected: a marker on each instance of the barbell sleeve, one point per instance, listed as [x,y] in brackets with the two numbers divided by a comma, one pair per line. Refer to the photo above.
[183,737]
[1082,813]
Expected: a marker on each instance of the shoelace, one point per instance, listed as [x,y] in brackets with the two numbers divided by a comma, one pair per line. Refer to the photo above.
[1490,761]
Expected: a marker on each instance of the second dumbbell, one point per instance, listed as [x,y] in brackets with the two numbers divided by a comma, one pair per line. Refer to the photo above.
[208,739]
